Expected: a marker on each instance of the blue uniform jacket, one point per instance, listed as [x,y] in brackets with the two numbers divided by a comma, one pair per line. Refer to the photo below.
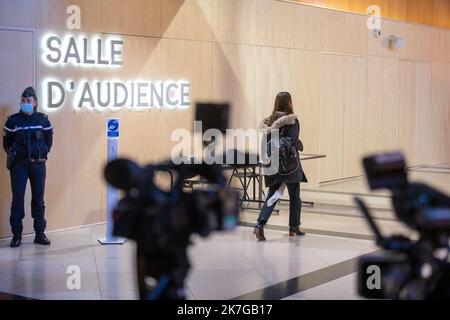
[30,136]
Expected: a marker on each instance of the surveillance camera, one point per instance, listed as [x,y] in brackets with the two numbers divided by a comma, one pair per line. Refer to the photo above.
[396,42]
[376,33]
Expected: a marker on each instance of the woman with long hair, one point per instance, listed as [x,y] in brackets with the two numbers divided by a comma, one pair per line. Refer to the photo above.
[284,120]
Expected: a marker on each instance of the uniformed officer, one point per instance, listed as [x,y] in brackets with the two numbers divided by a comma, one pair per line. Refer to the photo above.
[29,135]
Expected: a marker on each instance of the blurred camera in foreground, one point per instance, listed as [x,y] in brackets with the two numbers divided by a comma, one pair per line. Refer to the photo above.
[406,268]
[162,222]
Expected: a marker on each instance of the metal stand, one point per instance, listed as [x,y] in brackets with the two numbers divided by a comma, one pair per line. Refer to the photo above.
[112,194]
[248,176]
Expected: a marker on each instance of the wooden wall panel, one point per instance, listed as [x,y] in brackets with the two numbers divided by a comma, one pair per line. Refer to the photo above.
[355,100]
[342,113]
[18,13]
[307,28]
[178,22]
[345,33]
[185,60]
[425,44]
[146,54]
[274,24]
[439,45]
[440,102]
[77,157]
[181,60]
[382,104]
[424,138]
[432,44]
[331,116]
[132,17]
[321,3]
[446,36]
[234,78]
[74,180]
[14,46]
[306,102]
[406,126]
[352,95]
[273,74]
[333,32]
[235,21]
[146,136]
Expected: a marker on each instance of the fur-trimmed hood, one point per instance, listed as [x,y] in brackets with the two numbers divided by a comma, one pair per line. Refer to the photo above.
[282,120]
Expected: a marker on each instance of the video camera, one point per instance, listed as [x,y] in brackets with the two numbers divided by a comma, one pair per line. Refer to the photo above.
[162,222]
[405,268]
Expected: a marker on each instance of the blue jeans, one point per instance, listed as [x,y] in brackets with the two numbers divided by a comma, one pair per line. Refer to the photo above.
[294,205]
[21,171]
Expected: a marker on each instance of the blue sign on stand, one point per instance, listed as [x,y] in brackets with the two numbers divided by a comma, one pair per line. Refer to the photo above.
[112,194]
[113,128]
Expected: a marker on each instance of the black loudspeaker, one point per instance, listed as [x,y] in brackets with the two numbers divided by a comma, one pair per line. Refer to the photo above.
[213,116]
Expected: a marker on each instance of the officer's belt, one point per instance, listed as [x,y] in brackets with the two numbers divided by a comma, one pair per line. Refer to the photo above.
[32,160]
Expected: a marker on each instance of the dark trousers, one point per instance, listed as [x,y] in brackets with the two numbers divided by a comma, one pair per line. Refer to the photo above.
[21,171]
[295,206]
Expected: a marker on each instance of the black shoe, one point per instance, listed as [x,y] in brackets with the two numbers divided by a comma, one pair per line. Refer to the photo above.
[15,242]
[41,239]
[295,231]
[259,232]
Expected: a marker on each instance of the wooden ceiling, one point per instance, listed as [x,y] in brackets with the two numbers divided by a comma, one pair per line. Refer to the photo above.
[430,12]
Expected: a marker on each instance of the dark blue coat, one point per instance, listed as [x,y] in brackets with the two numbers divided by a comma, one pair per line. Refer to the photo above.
[30,136]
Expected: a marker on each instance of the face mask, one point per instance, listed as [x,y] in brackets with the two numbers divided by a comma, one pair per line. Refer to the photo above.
[26,107]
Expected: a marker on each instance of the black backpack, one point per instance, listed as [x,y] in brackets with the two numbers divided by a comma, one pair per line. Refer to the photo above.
[288,158]
[288,155]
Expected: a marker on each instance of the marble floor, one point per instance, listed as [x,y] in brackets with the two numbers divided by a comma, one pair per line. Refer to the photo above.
[230,265]
[225,266]
[334,211]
